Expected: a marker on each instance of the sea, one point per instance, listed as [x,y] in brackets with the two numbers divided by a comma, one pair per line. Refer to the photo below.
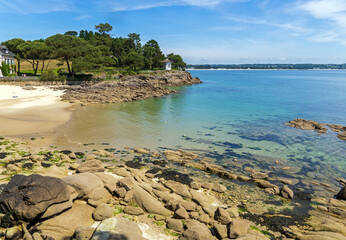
[232,114]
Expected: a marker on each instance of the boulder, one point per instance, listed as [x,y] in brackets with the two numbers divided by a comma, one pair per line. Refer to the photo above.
[219,188]
[238,227]
[63,226]
[83,233]
[117,228]
[91,166]
[222,216]
[181,213]
[126,183]
[286,192]
[98,196]
[12,167]
[148,202]
[220,230]
[27,197]
[142,151]
[84,183]
[195,185]
[204,218]
[233,212]
[257,236]
[342,194]
[102,212]
[175,225]
[57,208]
[133,210]
[259,175]
[197,231]
[178,188]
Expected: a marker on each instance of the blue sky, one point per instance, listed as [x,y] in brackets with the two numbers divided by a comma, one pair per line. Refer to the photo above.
[202,31]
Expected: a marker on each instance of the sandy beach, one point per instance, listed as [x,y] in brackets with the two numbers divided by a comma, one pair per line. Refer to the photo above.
[34,110]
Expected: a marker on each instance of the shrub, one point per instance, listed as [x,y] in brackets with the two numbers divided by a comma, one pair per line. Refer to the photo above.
[49,75]
[5,69]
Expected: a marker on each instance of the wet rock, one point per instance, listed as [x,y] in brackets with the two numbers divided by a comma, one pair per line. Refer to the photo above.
[220,230]
[244,178]
[286,192]
[133,210]
[26,197]
[285,181]
[264,184]
[259,175]
[148,202]
[342,194]
[222,216]
[83,233]
[117,228]
[307,125]
[102,212]
[91,166]
[238,227]
[142,151]
[274,191]
[175,225]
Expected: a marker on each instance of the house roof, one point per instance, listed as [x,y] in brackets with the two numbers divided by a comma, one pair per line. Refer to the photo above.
[5,52]
[167,61]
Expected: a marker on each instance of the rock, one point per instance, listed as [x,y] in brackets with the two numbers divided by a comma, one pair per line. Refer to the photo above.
[117,228]
[72,155]
[121,172]
[219,188]
[189,206]
[274,191]
[197,231]
[65,158]
[205,201]
[286,192]
[102,212]
[175,225]
[194,215]
[98,196]
[172,204]
[57,208]
[342,194]
[323,235]
[307,125]
[256,236]
[220,230]
[181,213]
[238,227]
[133,210]
[36,158]
[178,188]
[103,153]
[207,185]
[90,157]
[195,185]
[12,168]
[91,166]
[244,178]
[26,197]
[259,175]
[37,236]
[126,183]
[148,202]
[222,216]
[14,233]
[83,183]
[204,218]
[63,226]
[83,233]
[285,181]
[120,192]
[233,212]
[142,151]
[265,184]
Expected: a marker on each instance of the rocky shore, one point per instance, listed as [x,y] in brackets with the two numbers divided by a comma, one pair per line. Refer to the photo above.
[319,127]
[128,88]
[137,193]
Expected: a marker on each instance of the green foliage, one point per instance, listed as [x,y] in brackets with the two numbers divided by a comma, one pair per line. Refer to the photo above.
[134,60]
[104,28]
[71,33]
[50,75]
[152,54]
[117,210]
[5,69]
[178,62]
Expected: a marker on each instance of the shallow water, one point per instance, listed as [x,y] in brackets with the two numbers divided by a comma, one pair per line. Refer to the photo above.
[241,113]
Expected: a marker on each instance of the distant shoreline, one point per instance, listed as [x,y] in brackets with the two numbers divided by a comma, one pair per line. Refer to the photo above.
[258,69]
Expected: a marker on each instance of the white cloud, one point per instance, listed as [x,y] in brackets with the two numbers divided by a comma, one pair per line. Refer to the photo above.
[81,17]
[34,6]
[129,5]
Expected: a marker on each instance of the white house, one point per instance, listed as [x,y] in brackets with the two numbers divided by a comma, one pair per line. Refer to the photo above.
[6,56]
[167,64]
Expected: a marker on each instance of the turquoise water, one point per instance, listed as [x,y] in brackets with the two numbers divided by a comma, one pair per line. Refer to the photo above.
[233,114]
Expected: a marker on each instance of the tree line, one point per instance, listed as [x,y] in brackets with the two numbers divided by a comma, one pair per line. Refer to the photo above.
[88,50]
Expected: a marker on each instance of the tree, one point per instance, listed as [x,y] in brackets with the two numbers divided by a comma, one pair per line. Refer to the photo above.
[78,53]
[178,62]
[152,54]
[71,33]
[34,51]
[134,41]
[104,28]
[13,46]
[134,60]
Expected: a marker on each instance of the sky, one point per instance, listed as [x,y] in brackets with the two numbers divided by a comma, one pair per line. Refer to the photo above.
[201,31]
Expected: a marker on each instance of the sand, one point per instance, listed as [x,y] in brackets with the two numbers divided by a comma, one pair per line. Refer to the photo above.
[28,112]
